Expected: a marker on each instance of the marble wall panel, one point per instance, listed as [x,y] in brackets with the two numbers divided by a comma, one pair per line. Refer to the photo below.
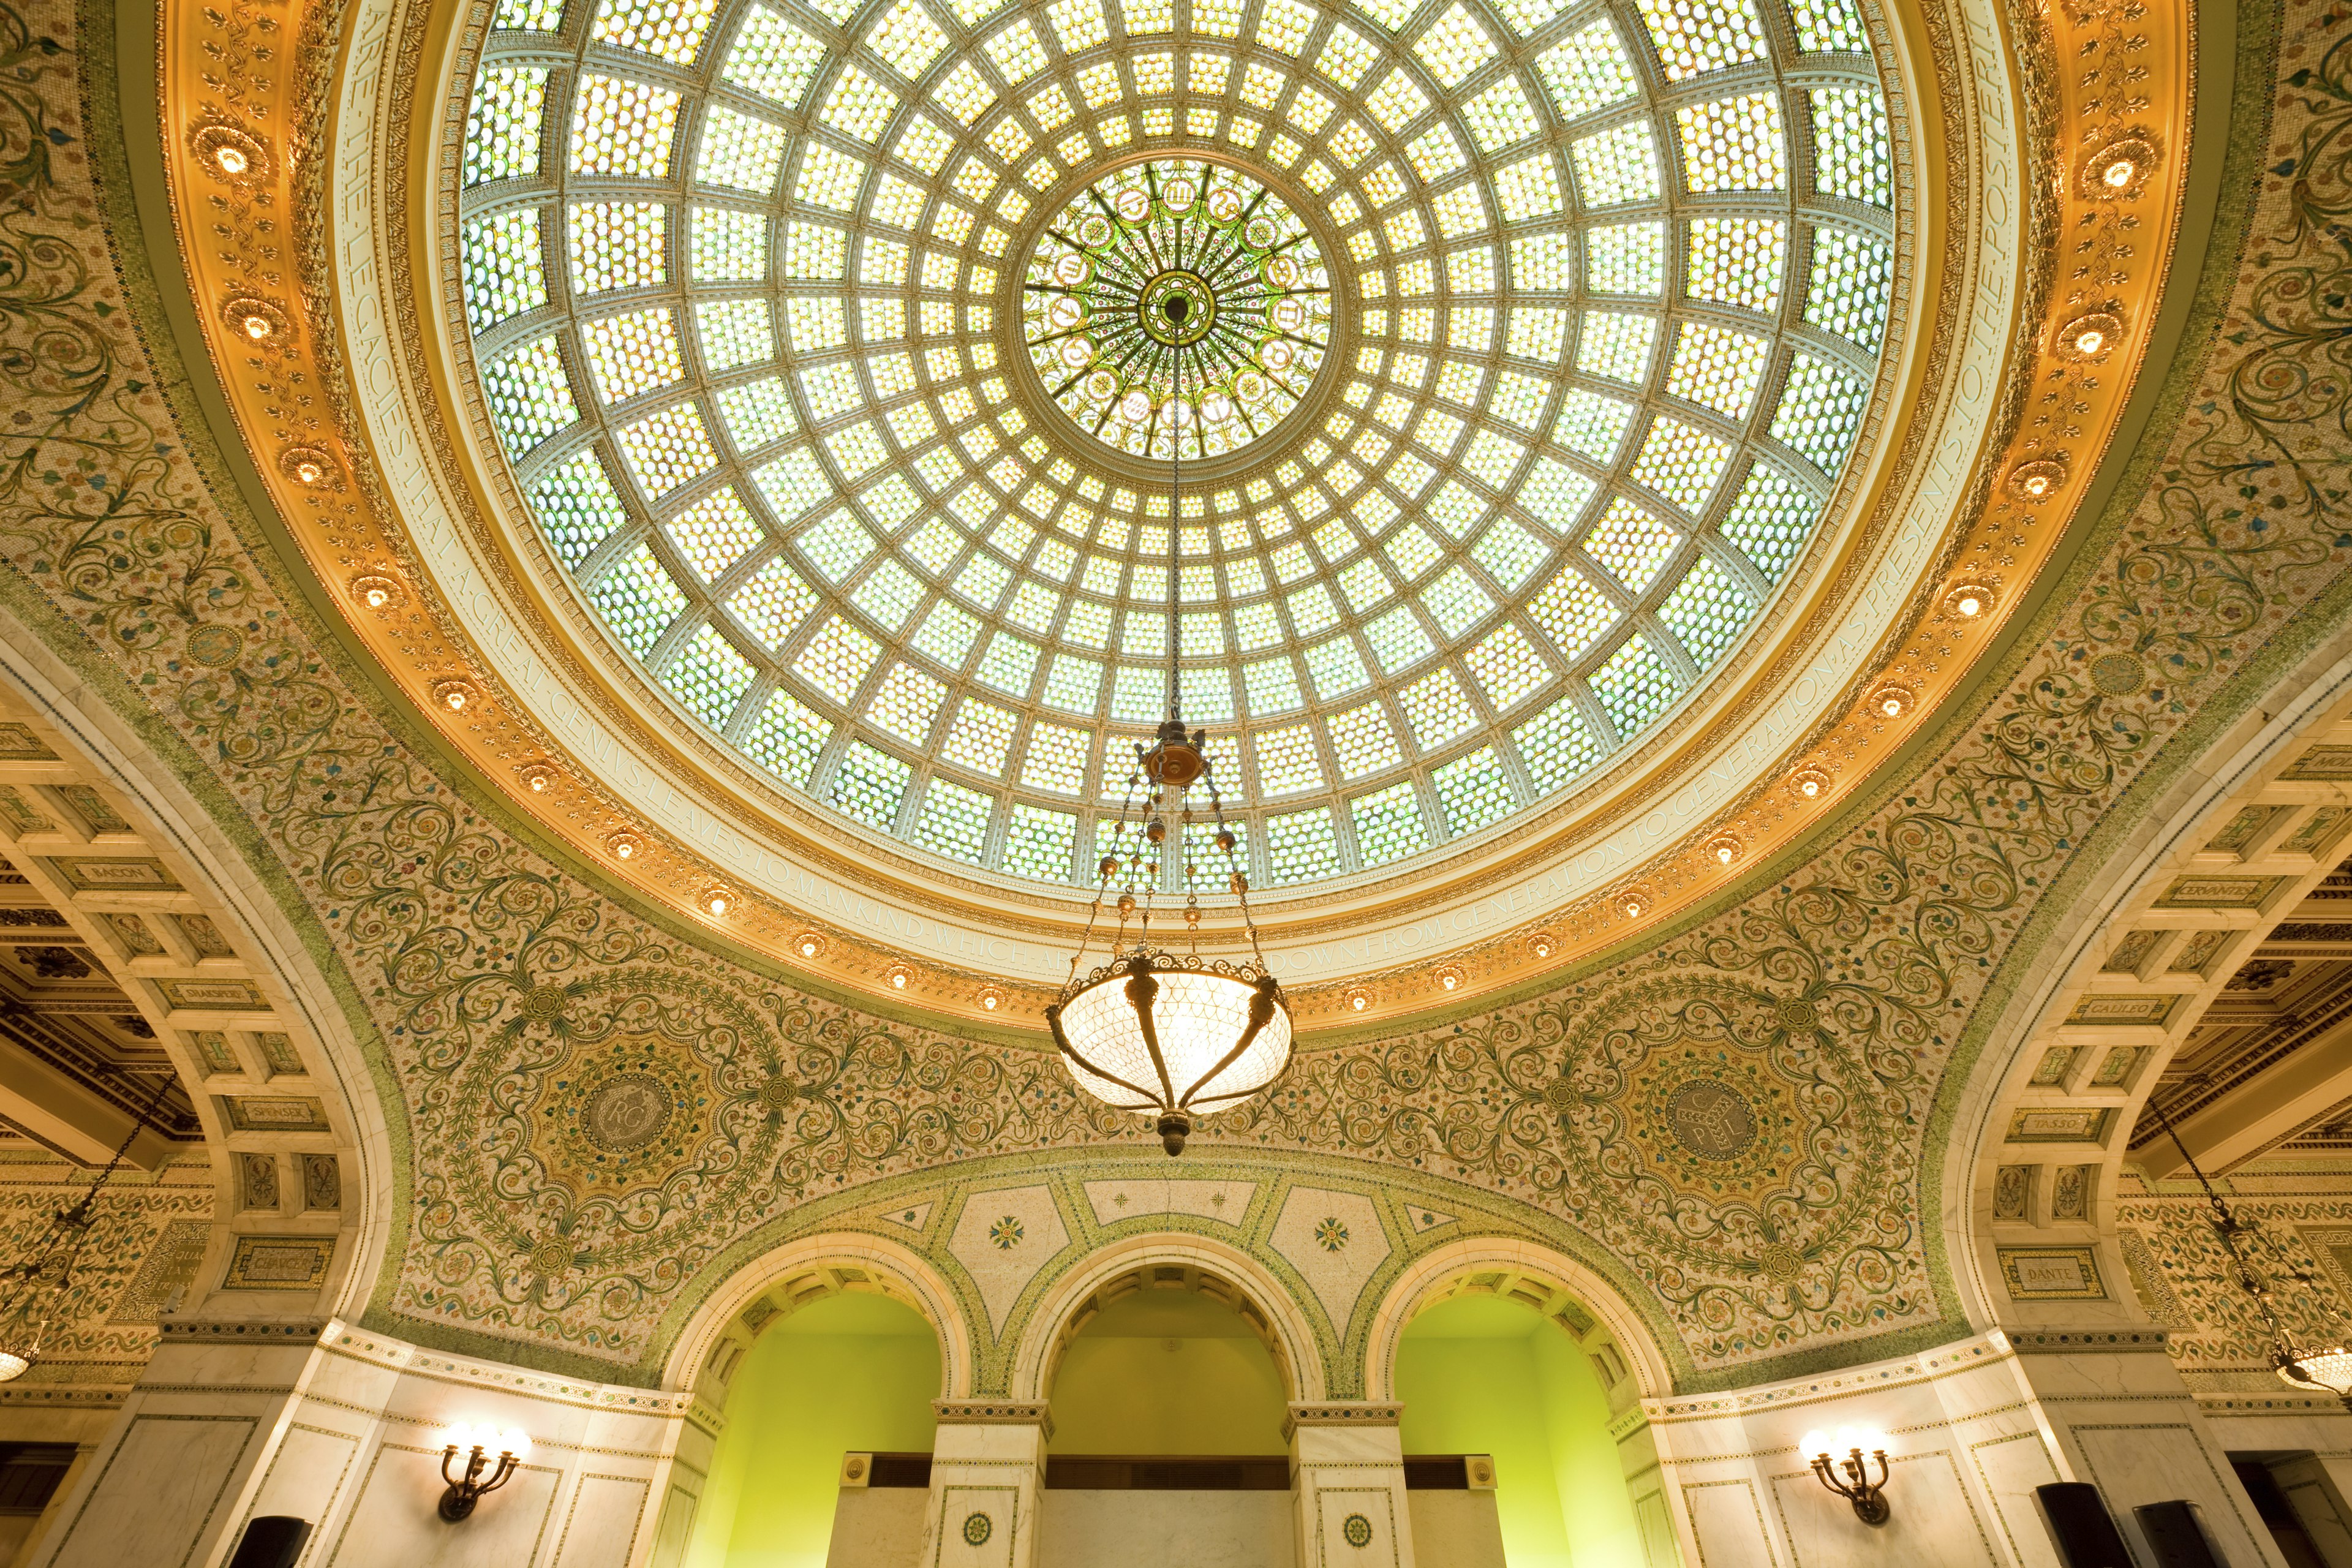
[155,1495]
[1167,1530]
[395,1523]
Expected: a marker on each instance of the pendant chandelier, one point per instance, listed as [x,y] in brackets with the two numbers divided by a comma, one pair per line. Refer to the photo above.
[2319,1365]
[1166,1035]
[33,1293]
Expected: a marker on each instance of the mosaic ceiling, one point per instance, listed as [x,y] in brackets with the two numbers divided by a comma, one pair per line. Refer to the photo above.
[591,1115]
[1555,326]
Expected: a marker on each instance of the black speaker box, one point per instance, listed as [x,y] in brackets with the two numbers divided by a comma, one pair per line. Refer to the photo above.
[2081,1527]
[2177,1536]
[271,1541]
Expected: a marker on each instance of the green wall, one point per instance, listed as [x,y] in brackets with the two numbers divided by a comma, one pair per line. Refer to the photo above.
[1167,1371]
[849,1373]
[1482,1377]
[1164,1373]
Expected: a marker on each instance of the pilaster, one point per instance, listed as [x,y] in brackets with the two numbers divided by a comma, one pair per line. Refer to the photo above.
[988,1466]
[169,1483]
[1347,1464]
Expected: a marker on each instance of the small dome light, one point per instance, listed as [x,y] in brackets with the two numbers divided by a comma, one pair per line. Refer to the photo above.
[1358,999]
[309,472]
[2090,341]
[377,597]
[625,845]
[232,161]
[897,975]
[257,327]
[1540,944]
[717,903]
[2037,484]
[2118,173]
[1969,601]
[992,998]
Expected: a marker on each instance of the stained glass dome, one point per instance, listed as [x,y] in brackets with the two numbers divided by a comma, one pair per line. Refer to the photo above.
[1595,294]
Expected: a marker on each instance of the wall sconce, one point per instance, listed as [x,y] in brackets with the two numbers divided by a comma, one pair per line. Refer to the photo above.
[1850,1477]
[476,1443]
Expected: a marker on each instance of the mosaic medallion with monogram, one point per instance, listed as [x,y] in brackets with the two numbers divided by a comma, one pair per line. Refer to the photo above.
[622,1102]
[1735,1127]
[622,1113]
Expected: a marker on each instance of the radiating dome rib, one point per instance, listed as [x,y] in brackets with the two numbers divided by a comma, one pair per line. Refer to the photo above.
[744,282]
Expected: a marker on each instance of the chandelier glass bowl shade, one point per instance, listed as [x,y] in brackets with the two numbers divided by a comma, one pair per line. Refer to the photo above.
[746,297]
[1169,272]
[1172,1037]
[2326,1370]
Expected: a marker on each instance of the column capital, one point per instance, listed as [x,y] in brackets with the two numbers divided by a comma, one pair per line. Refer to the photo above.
[1342,1412]
[995,1412]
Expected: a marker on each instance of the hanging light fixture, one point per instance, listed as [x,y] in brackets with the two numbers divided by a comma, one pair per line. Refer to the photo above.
[2322,1367]
[1165,1035]
[32,1293]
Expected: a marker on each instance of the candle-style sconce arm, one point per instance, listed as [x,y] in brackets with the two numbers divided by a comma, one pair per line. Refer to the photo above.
[1850,1478]
[466,1487]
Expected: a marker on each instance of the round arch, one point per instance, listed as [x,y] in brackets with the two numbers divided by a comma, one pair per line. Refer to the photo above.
[813,1265]
[2242,767]
[1258,1296]
[231,886]
[1563,1281]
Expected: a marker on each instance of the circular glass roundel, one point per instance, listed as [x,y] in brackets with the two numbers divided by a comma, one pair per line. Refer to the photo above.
[746,288]
[1176,304]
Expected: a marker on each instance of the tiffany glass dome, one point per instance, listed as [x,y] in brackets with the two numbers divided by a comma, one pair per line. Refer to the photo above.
[1523,347]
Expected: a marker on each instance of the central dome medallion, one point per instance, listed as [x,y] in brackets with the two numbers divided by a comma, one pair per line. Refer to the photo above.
[1174,296]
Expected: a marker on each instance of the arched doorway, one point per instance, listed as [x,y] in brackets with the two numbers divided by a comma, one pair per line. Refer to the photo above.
[1168,1360]
[1481,1373]
[851,1372]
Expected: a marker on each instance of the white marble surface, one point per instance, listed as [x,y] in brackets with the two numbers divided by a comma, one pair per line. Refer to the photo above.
[345,1431]
[1455,1530]
[876,1527]
[1973,1428]
[1003,1238]
[1115,1201]
[1336,1243]
[1165,1530]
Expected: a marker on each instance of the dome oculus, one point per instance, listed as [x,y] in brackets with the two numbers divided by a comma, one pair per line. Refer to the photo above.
[745,286]
[1175,298]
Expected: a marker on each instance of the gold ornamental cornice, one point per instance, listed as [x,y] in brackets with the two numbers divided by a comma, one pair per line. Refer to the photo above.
[248,119]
